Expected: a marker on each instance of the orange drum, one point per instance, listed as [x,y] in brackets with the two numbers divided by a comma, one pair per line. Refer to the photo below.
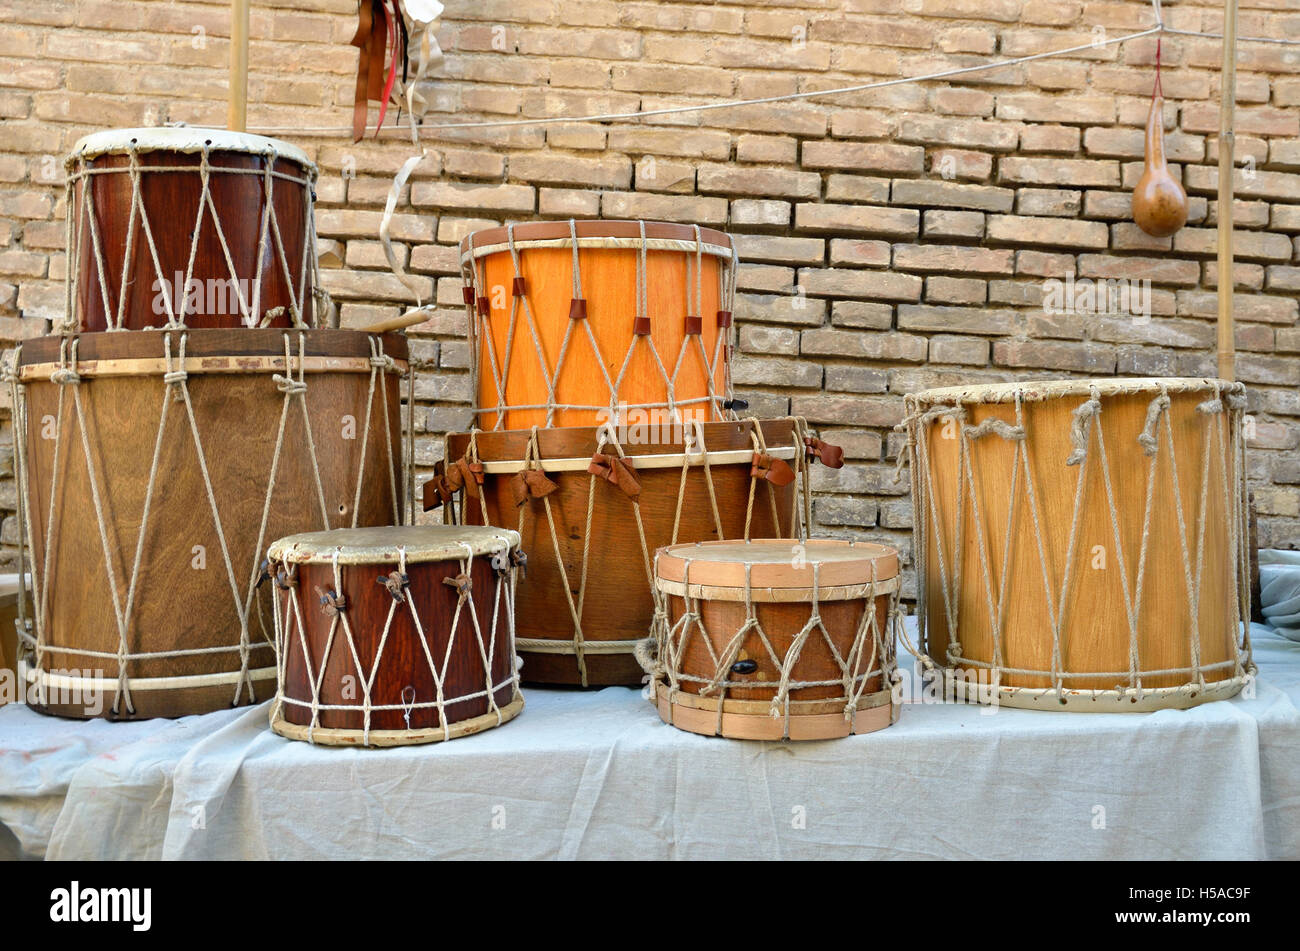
[581,323]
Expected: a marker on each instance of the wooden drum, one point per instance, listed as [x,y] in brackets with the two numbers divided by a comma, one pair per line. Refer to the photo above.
[1080,544]
[154,468]
[775,639]
[178,227]
[592,505]
[582,323]
[395,636]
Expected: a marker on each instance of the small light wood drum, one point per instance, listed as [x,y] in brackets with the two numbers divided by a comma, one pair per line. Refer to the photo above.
[775,639]
[582,323]
[178,227]
[395,636]
[154,468]
[592,505]
[1080,544]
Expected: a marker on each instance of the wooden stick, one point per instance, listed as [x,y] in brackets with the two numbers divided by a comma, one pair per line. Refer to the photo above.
[237,114]
[1227,141]
[417,315]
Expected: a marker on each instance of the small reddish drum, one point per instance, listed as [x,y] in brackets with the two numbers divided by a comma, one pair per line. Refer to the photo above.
[178,227]
[576,323]
[775,639]
[395,636]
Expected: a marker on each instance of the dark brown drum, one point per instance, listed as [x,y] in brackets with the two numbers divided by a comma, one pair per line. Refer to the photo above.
[154,468]
[189,227]
[591,505]
[395,636]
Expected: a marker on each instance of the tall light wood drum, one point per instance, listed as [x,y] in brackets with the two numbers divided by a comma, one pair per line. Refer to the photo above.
[395,636]
[593,504]
[775,639]
[154,469]
[587,322]
[179,227]
[1080,545]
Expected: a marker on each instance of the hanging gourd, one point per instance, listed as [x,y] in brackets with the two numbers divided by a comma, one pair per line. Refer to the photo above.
[1159,201]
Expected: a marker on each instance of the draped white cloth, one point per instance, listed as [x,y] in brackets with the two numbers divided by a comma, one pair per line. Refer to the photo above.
[597,775]
[1279,583]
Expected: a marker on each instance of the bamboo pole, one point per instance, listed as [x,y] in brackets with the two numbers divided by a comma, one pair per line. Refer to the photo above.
[1227,141]
[237,114]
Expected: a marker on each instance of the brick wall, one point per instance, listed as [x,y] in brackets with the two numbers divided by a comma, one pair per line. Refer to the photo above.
[893,240]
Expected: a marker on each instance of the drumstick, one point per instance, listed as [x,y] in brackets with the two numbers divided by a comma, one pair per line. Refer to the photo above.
[237,112]
[416,315]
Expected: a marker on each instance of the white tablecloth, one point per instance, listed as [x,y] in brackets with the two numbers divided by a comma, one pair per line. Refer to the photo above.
[596,775]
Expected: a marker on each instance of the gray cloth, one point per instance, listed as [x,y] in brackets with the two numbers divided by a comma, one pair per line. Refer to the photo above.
[597,775]
[1279,590]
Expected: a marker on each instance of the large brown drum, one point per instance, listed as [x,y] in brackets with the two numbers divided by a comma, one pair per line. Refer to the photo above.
[1080,544]
[775,639]
[579,323]
[154,468]
[592,505]
[187,227]
[395,636]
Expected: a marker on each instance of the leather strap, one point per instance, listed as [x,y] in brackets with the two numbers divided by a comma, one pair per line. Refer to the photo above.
[831,456]
[529,484]
[775,471]
[615,470]
[362,40]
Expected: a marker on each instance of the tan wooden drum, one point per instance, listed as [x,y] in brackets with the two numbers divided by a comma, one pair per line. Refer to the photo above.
[154,468]
[775,639]
[1080,544]
[179,227]
[582,323]
[395,636]
[592,505]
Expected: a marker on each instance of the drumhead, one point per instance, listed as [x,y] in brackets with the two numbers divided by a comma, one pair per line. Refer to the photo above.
[1037,390]
[185,139]
[777,563]
[379,545]
[659,236]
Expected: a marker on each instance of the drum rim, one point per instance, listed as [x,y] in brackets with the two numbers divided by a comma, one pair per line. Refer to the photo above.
[318,548]
[209,349]
[186,139]
[1039,390]
[495,240]
[670,565]
[486,442]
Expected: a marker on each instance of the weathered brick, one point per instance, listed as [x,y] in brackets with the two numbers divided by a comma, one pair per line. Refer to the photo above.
[1052,232]
[841,188]
[1055,171]
[693,210]
[869,285]
[846,252]
[956,258]
[885,222]
[780,250]
[863,345]
[864,156]
[760,212]
[461,196]
[953,224]
[977,320]
[955,290]
[941,194]
[757,182]
[1077,357]
[947,348]
[864,314]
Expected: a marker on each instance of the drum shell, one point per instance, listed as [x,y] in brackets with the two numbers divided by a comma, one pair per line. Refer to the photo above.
[619,605]
[781,621]
[183,597]
[403,663]
[609,287]
[1095,633]
[171,202]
